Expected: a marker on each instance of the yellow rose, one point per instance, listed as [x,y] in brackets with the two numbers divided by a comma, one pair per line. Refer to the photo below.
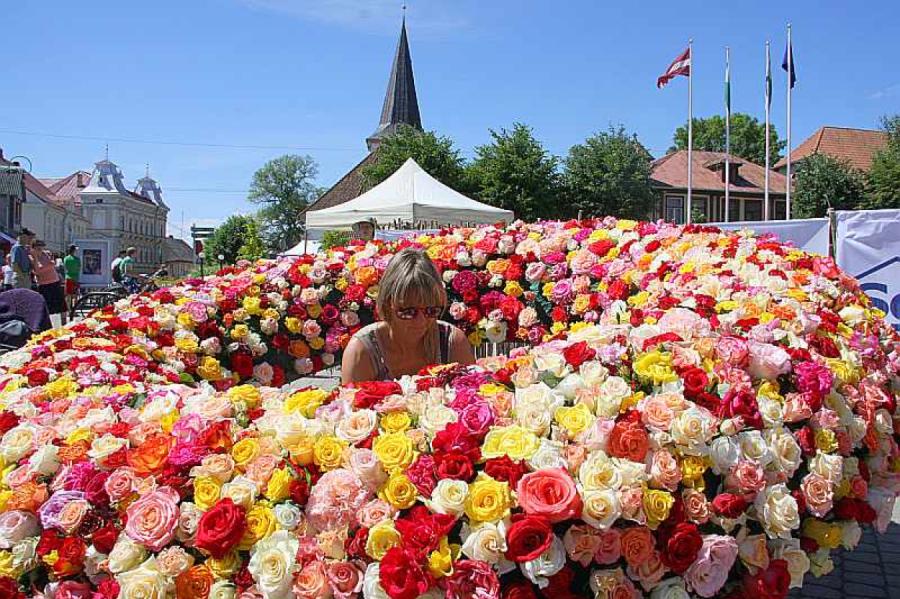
[513,289]
[209,368]
[440,562]
[514,441]
[306,402]
[488,500]
[657,504]
[244,451]
[399,491]
[167,422]
[692,469]
[328,452]
[394,450]
[271,313]
[302,451]
[382,537]
[61,388]
[244,393]
[206,491]
[639,299]
[226,567]
[317,343]
[557,327]
[279,485]
[79,434]
[251,305]
[5,496]
[240,331]
[314,310]
[547,290]
[185,320]
[582,303]
[293,324]
[827,535]
[575,419]
[843,370]
[655,366]
[187,344]
[826,440]
[260,524]
[396,422]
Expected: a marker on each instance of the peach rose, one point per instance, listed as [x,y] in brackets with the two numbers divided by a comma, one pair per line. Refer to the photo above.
[664,470]
[71,515]
[746,476]
[696,507]
[345,579]
[818,494]
[551,493]
[120,484]
[582,542]
[312,582]
[152,519]
[609,548]
[637,545]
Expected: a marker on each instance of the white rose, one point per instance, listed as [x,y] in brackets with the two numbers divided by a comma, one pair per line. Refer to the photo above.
[593,372]
[17,442]
[547,564]
[601,508]
[548,455]
[105,446]
[494,330]
[554,363]
[188,518]
[222,589]
[356,426]
[24,554]
[724,453]
[599,472]
[570,385]
[829,467]
[851,533]
[535,417]
[16,525]
[754,447]
[125,555]
[692,429]
[449,497]
[372,583]
[272,562]
[288,515]
[797,560]
[670,588]
[145,582]
[820,563]
[241,490]
[777,510]
[785,451]
[44,460]
[436,417]
[486,543]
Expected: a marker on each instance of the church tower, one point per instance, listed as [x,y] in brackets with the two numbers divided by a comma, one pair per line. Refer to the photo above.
[401,107]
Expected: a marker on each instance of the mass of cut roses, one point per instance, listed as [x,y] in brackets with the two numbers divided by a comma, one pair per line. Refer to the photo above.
[687,413]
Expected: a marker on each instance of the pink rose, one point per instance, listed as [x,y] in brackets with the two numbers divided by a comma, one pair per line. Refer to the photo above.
[664,470]
[15,526]
[345,579]
[746,476]
[153,518]
[649,571]
[609,548]
[311,582]
[551,493]
[713,565]
[582,543]
[732,350]
[768,361]
[335,499]
[696,506]
[374,512]
[818,494]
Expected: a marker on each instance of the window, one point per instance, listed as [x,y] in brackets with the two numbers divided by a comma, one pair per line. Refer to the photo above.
[734,209]
[700,209]
[673,210]
[780,210]
[98,201]
[753,209]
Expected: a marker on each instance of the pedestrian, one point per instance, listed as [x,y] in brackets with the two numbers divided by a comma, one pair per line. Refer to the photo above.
[126,266]
[72,266]
[115,267]
[8,273]
[48,282]
[20,260]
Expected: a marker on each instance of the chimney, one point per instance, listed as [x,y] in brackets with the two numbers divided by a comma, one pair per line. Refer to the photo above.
[79,181]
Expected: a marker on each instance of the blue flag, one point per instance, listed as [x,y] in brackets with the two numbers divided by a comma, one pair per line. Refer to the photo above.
[792,73]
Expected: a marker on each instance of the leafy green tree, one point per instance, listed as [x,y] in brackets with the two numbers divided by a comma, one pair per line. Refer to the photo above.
[516,172]
[609,174]
[748,137]
[884,175]
[253,247]
[284,187]
[822,182]
[434,153]
[227,240]
[335,238]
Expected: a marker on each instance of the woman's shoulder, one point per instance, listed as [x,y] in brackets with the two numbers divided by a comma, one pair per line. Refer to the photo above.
[367,330]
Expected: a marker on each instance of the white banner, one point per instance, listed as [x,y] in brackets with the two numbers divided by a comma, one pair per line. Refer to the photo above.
[397,234]
[810,234]
[868,247]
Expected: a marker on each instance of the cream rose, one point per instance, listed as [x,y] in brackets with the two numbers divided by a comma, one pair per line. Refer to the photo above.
[174,560]
[601,508]
[272,563]
[125,555]
[356,426]
[797,560]
[449,497]
[487,543]
[777,510]
[144,582]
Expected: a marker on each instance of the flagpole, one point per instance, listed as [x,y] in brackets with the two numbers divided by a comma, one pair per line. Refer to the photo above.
[690,128]
[727,132]
[768,156]
[787,202]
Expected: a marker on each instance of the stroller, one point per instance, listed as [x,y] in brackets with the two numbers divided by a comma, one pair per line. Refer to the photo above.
[23,313]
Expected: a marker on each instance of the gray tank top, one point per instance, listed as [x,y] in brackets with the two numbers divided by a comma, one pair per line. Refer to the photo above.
[370,340]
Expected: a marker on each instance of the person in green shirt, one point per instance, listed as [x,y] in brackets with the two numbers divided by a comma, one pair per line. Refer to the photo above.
[126,267]
[72,267]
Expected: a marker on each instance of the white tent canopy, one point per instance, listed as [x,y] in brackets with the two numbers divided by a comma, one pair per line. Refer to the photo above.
[409,195]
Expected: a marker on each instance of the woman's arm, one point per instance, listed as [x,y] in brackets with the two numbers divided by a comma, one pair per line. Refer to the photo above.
[356,365]
[460,348]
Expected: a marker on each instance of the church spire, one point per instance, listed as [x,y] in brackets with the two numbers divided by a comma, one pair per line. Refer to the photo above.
[400,104]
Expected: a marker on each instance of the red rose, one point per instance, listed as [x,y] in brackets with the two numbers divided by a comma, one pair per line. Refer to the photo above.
[70,557]
[8,421]
[104,538]
[38,377]
[107,589]
[771,583]
[505,470]
[519,589]
[242,364]
[729,505]
[628,440]
[527,538]
[455,465]
[695,381]
[221,528]
[681,546]
[422,531]
[9,588]
[370,393]
[356,546]
[578,353]
[455,436]
[402,576]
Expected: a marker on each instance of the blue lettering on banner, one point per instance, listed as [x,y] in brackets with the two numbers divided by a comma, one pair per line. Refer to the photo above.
[882,284]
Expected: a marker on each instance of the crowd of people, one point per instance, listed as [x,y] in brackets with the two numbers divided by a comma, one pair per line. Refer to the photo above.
[29,265]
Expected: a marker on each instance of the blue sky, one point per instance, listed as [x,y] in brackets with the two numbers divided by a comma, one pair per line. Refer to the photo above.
[309,77]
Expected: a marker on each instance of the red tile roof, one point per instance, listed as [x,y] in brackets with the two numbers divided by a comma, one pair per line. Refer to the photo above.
[671,171]
[38,188]
[66,188]
[856,146]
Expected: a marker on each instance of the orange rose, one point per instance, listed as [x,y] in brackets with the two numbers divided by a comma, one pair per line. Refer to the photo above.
[298,349]
[628,440]
[366,276]
[28,497]
[194,583]
[637,545]
[76,452]
[151,456]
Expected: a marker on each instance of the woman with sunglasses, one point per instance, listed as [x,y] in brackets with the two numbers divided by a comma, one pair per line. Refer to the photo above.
[411,298]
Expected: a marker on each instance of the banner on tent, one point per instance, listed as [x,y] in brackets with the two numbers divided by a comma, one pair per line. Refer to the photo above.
[810,234]
[868,247]
[395,234]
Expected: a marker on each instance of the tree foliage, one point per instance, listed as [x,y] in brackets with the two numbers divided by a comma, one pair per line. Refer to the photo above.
[884,175]
[284,187]
[227,240]
[434,153]
[334,238]
[609,174]
[515,172]
[748,137]
[822,182]
[253,247]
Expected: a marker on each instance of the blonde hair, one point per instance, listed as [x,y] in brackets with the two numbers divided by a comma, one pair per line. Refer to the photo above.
[411,279]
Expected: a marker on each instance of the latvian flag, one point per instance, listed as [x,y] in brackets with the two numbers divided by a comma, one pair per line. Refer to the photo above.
[679,66]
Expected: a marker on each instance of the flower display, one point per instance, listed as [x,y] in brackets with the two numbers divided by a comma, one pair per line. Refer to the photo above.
[691,413]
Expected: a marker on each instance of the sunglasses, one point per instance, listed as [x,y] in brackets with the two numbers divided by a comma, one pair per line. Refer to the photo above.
[427,312]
